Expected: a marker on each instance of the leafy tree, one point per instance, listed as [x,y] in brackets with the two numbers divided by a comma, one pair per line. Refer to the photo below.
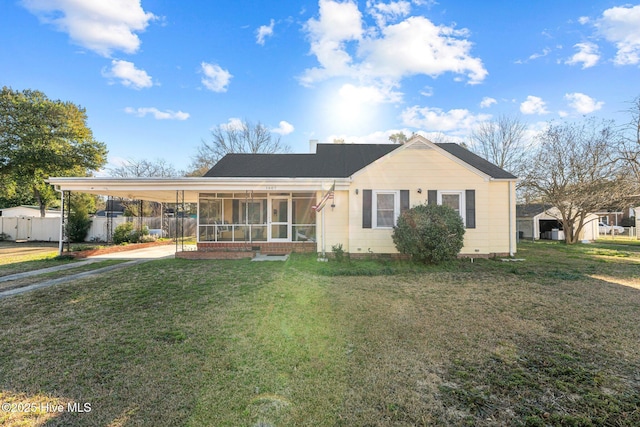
[503,142]
[235,137]
[398,138]
[40,138]
[575,169]
[429,233]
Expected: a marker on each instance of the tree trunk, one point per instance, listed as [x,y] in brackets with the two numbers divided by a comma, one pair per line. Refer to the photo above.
[41,203]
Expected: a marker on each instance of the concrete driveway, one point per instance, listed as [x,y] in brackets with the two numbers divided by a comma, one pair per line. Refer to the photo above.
[155,252]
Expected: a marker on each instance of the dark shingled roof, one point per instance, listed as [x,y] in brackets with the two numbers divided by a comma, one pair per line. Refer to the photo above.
[530,210]
[329,161]
[476,161]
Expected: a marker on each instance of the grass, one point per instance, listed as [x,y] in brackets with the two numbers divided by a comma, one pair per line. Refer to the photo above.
[79,268]
[29,262]
[552,341]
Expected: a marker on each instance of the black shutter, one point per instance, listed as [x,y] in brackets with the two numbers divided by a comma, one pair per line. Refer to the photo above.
[432,197]
[404,201]
[235,211]
[470,203]
[366,208]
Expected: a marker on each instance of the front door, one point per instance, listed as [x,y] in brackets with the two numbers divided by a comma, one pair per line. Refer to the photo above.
[279,227]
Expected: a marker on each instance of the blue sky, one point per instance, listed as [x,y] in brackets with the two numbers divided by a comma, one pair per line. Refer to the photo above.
[156,75]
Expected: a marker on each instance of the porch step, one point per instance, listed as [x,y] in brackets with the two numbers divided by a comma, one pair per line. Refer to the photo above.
[270,257]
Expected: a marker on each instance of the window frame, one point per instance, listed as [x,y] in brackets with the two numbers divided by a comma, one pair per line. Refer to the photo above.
[462,208]
[374,208]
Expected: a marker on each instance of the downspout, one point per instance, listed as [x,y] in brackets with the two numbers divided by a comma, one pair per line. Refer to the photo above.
[511,234]
[60,243]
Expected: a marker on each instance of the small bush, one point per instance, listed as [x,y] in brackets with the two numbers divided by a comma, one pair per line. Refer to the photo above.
[429,233]
[338,252]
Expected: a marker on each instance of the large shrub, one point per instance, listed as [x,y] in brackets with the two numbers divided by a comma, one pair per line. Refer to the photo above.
[429,233]
[78,227]
[125,233]
[79,222]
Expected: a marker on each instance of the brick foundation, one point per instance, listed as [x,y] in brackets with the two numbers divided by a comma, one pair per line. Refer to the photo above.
[215,254]
[275,248]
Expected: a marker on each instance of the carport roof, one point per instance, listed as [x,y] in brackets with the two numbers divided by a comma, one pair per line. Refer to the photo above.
[168,189]
[531,210]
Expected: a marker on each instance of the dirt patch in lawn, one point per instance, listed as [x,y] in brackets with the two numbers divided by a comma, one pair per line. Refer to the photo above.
[13,249]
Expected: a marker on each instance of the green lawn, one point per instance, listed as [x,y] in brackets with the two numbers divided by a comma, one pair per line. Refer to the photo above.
[553,340]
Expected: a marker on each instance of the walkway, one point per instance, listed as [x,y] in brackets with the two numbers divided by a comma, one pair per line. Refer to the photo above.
[136,256]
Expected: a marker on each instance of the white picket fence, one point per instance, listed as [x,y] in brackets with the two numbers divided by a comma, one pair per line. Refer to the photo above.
[48,229]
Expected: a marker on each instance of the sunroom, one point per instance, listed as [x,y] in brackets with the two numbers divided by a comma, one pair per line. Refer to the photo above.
[255,217]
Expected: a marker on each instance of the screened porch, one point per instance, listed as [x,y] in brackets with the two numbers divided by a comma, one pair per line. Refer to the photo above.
[256,217]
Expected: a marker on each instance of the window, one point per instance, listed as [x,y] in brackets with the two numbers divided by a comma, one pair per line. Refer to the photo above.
[386,206]
[455,200]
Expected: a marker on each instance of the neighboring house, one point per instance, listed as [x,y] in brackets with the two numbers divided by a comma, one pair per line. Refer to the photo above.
[539,221]
[28,211]
[265,201]
[113,209]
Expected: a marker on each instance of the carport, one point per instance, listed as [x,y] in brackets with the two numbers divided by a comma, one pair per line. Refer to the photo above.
[174,191]
[538,221]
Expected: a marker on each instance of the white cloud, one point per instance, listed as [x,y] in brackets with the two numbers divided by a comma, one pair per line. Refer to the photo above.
[233,123]
[427,91]
[487,102]
[533,105]
[215,78]
[621,25]
[338,24]
[383,55]
[128,74]
[264,31]
[582,103]
[546,51]
[417,46]
[284,128]
[157,114]
[384,12]
[101,26]
[587,55]
[436,120]
[368,94]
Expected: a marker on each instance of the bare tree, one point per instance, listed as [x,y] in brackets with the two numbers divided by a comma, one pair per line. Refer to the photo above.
[574,168]
[235,137]
[630,147]
[158,168]
[502,141]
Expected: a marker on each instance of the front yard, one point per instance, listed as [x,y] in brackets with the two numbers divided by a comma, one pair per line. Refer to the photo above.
[553,340]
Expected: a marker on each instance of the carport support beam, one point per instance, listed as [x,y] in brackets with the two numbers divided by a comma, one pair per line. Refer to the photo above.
[61,238]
